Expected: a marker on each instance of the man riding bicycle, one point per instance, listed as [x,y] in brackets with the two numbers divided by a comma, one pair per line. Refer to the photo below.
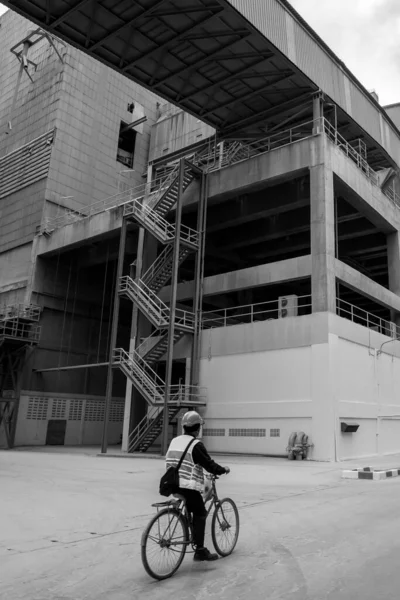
[191,477]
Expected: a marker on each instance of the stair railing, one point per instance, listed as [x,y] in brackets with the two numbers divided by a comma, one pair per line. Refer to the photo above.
[135,435]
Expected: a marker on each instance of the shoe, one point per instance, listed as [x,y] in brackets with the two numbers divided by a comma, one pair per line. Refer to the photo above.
[204,554]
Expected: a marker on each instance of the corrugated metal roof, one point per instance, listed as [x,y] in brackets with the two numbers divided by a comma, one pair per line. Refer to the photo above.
[236,64]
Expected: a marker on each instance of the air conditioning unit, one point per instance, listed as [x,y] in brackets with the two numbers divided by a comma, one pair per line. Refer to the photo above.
[287,306]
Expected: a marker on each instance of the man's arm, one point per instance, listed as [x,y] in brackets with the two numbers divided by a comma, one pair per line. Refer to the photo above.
[202,458]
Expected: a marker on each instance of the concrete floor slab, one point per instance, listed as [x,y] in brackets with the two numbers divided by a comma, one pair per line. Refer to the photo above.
[71,524]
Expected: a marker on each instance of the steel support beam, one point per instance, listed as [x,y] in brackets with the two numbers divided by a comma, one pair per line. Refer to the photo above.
[121,28]
[172,40]
[198,284]
[172,306]
[198,63]
[113,337]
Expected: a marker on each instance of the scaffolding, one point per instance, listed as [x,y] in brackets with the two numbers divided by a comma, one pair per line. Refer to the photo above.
[19,334]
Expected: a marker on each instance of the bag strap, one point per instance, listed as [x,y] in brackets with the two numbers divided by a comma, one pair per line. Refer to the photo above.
[184,454]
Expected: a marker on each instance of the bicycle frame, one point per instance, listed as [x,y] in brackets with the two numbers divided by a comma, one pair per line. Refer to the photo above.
[180,505]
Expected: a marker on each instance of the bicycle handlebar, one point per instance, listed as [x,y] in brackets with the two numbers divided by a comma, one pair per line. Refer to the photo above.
[215,477]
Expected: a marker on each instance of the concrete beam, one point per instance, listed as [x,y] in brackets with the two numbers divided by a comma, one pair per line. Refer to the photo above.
[358,282]
[366,197]
[283,270]
[254,173]
[79,233]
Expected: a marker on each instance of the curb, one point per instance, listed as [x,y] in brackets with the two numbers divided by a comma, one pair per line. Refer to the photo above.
[370,473]
[130,455]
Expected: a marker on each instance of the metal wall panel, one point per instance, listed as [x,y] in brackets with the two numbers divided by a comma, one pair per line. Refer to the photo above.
[175,131]
[270,16]
[267,15]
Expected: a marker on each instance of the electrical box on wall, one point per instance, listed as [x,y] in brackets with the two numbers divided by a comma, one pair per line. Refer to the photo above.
[287,306]
[349,427]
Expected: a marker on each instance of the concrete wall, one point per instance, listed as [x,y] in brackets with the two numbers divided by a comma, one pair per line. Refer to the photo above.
[261,377]
[32,112]
[93,102]
[307,374]
[84,416]
[15,271]
[85,102]
[174,130]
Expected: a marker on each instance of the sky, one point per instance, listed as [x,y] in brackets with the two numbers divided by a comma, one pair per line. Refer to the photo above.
[364,34]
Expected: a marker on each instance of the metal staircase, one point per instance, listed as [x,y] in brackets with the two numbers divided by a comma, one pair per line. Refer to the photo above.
[148,430]
[150,213]
[19,330]
[166,197]
[159,273]
[154,347]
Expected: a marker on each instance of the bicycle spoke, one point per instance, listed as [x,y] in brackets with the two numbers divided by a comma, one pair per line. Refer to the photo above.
[165,544]
[225,527]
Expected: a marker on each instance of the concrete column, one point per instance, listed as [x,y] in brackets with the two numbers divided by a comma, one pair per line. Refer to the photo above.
[317,113]
[322,210]
[324,400]
[393,250]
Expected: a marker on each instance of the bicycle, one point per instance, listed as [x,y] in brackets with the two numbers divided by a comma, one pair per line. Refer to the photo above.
[170,532]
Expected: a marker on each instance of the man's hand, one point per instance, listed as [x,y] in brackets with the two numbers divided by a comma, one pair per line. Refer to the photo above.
[227,470]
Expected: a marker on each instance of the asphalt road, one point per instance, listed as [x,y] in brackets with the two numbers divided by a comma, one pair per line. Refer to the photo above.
[70,528]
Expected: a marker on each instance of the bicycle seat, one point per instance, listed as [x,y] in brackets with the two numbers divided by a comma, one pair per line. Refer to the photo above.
[179,497]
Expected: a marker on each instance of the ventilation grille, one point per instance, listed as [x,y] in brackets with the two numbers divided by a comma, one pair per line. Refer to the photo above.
[94,410]
[274,433]
[58,408]
[26,165]
[247,432]
[213,432]
[116,412]
[75,410]
[37,408]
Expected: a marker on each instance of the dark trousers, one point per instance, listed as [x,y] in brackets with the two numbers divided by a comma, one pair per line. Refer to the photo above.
[195,506]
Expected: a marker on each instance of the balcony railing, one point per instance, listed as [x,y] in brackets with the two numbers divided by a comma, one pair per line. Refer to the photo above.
[362,317]
[218,155]
[28,312]
[21,331]
[252,313]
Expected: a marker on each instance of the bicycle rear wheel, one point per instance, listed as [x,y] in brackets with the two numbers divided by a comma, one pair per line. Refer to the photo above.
[225,527]
[164,543]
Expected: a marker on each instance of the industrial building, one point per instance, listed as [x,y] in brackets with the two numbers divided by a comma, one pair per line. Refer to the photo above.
[199,207]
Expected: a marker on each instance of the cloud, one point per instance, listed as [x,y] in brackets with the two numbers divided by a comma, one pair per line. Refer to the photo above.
[364,34]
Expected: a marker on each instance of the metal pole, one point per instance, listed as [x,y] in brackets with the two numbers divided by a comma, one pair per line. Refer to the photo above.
[172,306]
[114,331]
[198,284]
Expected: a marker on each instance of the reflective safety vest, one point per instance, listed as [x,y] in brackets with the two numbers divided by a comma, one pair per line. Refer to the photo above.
[191,476]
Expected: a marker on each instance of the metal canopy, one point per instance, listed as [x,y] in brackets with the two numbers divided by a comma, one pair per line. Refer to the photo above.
[201,55]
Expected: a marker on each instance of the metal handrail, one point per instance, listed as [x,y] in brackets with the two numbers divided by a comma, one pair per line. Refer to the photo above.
[22,331]
[161,311]
[148,190]
[362,317]
[121,355]
[166,230]
[157,264]
[29,312]
[358,159]
[138,288]
[250,313]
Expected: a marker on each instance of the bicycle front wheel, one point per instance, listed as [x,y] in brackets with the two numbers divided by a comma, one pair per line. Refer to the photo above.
[164,543]
[225,527]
